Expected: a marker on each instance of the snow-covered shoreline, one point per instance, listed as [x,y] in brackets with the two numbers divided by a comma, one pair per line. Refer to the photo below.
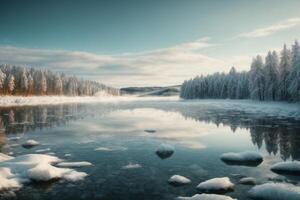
[266,108]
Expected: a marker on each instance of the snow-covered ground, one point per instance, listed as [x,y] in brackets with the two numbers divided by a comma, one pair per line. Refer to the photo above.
[273,109]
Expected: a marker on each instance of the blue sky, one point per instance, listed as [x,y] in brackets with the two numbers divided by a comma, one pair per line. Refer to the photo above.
[143,42]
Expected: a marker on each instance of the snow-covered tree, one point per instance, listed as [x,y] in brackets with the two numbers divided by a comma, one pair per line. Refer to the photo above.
[294,86]
[257,79]
[2,81]
[271,76]
[284,71]
[24,82]
[10,83]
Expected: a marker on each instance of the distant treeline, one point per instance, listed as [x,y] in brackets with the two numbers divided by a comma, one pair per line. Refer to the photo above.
[16,80]
[273,79]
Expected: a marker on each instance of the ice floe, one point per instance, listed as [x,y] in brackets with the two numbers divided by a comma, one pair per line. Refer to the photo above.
[178,180]
[74,164]
[275,191]
[132,166]
[247,181]
[165,151]
[216,185]
[289,168]
[247,158]
[15,171]
[42,150]
[30,143]
[206,197]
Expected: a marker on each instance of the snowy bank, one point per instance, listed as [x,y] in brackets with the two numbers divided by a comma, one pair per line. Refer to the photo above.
[206,197]
[275,191]
[258,108]
[6,101]
[15,171]
[248,158]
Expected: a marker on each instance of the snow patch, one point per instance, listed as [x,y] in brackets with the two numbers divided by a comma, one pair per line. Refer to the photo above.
[275,191]
[178,180]
[42,150]
[206,197]
[216,185]
[289,167]
[37,167]
[249,158]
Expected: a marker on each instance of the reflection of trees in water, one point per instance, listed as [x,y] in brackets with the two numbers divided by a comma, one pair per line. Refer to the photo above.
[278,136]
[22,119]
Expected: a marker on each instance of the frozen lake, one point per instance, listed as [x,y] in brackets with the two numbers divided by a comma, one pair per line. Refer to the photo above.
[119,139]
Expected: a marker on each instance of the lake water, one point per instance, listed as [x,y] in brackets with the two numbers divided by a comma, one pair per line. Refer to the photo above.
[113,135]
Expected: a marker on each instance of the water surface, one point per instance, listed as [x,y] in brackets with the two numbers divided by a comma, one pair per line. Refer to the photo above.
[113,135]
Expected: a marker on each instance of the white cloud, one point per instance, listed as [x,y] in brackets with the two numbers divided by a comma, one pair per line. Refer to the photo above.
[266,31]
[157,67]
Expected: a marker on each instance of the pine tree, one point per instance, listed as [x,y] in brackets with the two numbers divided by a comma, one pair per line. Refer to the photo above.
[284,71]
[294,86]
[271,76]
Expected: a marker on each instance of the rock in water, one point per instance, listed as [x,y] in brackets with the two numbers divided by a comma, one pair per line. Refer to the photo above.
[248,181]
[150,130]
[246,158]
[165,151]
[30,143]
[287,168]
[177,180]
[216,185]
[206,197]
[275,191]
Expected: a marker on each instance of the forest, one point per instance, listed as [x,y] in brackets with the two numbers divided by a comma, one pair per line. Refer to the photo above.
[19,80]
[273,78]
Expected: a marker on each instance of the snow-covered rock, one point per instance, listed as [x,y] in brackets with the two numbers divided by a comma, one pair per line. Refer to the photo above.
[7,180]
[178,180]
[289,167]
[74,164]
[132,166]
[165,151]
[275,191]
[248,181]
[216,185]
[206,197]
[30,143]
[38,167]
[4,157]
[248,158]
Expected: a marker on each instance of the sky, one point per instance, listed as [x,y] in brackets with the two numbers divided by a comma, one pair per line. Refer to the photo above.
[143,42]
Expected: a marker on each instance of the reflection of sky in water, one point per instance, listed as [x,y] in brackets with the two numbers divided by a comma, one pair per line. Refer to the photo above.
[169,126]
[197,138]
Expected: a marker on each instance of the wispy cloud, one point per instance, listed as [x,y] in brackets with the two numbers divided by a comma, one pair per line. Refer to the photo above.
[266,31]
[157,67]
